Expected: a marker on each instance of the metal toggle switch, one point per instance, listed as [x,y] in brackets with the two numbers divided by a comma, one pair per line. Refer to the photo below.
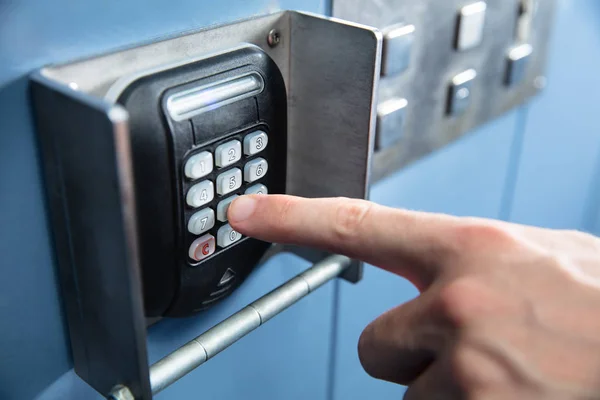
[518,58]
[460,92]
[397,44]
[390,121]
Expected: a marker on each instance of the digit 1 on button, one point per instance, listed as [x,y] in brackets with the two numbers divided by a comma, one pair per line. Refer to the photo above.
[199,165]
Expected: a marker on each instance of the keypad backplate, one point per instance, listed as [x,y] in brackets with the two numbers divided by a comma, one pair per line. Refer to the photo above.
[173,283]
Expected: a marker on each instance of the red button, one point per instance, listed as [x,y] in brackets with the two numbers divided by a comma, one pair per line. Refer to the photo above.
[202,247]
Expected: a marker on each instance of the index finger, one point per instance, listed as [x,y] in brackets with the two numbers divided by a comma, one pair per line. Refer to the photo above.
[411,244]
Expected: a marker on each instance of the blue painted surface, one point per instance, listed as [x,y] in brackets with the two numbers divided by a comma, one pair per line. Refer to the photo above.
[556,178]
[466,178]
[34,350]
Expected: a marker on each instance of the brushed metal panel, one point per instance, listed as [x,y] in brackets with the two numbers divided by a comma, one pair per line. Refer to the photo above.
[435,61]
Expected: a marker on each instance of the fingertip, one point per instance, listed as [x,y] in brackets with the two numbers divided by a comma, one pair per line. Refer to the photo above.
[242,209]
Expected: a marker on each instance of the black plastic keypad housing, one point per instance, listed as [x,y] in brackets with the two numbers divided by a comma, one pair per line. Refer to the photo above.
[174,284]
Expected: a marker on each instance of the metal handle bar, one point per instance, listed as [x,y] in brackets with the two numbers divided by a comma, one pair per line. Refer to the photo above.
[201,349]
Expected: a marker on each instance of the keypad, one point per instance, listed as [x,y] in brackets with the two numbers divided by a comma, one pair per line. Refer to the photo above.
[216,175]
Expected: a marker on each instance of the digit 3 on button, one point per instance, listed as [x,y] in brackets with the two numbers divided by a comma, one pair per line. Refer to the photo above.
[255,143]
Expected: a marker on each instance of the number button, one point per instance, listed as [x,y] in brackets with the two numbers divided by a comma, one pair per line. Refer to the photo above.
[257,189]
[202,221]
[229,181]
[255,143]
[202,247]
[199,165]
[228,153]
[226,236]
[223,206]
[200,194]
[255,169]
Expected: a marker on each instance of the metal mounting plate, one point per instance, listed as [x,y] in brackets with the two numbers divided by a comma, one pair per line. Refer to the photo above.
[331,71]
[434,61]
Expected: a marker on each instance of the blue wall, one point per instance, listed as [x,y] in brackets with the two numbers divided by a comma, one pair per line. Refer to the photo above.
[535,165]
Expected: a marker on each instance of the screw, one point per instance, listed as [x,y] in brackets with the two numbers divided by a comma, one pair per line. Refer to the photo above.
[540,82]
[121,392]
[273,38]
[463,93]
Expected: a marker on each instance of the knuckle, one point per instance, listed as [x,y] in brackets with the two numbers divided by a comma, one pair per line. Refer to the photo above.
[457,302]
[585,240]
[476,236]
[350,216]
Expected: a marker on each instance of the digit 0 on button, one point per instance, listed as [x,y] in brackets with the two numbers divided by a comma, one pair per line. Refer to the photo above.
[202,247]
[226,236]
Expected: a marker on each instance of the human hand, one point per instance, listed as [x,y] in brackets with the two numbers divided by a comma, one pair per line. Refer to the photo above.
[505,312]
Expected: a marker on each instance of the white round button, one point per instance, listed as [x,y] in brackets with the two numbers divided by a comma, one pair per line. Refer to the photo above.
[199,165]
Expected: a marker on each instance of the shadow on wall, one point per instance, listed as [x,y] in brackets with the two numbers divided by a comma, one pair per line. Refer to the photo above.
[36,343]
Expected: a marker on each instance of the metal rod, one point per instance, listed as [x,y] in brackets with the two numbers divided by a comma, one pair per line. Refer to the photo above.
[196,352]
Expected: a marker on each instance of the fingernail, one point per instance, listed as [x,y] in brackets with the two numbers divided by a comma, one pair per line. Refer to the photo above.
[241,209]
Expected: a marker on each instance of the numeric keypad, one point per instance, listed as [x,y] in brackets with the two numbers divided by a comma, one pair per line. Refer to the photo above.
[236,168]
